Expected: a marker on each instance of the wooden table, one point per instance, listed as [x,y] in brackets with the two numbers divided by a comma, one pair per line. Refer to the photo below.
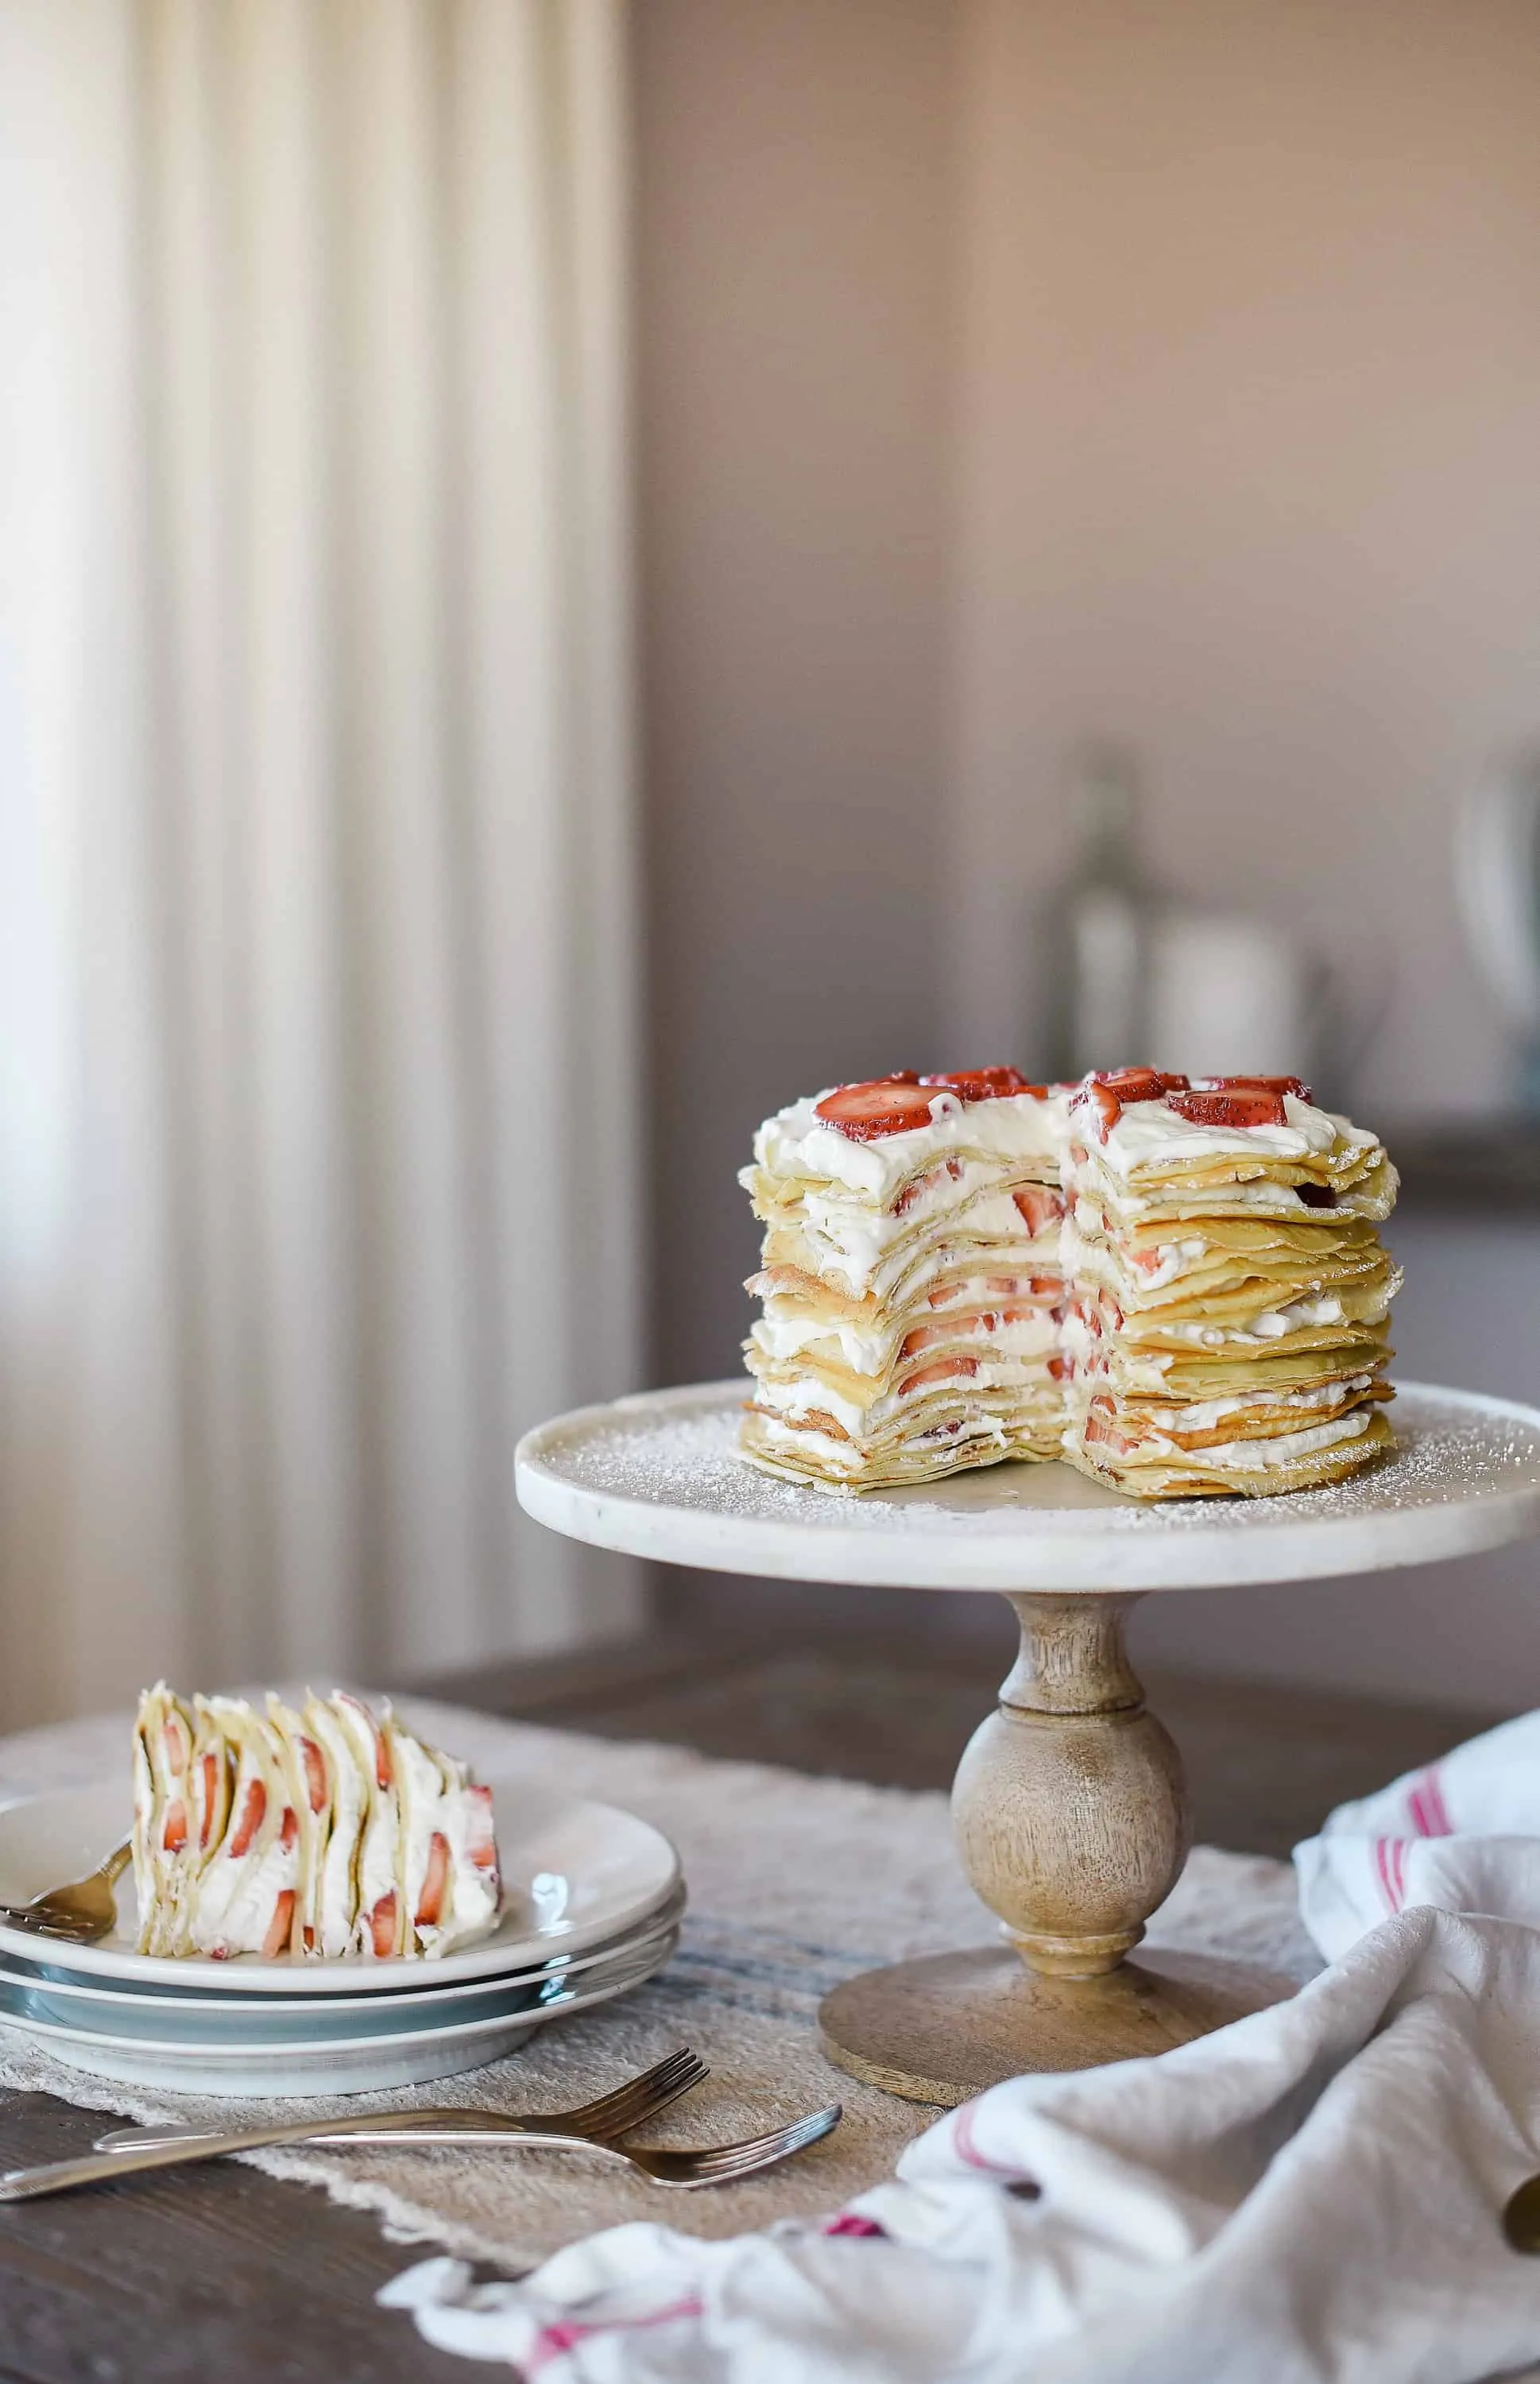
[226,2277]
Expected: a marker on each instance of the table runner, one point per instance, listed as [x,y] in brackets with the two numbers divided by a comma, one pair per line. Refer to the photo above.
[795,1883]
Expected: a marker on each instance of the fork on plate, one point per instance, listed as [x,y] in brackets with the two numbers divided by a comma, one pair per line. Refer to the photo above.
[80,1911]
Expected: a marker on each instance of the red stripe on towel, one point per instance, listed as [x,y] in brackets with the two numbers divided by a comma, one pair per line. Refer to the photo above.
[966,2147]
[1385,1865]
[556,2341]
[1433,1796]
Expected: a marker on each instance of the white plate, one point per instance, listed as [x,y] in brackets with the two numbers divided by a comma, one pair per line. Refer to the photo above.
[213,2019]
[575,1873]
[358,2065]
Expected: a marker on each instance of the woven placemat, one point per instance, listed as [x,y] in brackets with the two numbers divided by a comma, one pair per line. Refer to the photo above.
[795,1883]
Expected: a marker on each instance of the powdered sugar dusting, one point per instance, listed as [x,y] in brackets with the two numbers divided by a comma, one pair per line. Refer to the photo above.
[682,1453]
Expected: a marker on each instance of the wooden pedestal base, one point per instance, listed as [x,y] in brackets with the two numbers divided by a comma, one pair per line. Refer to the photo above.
[942,2029]
[1070,1810]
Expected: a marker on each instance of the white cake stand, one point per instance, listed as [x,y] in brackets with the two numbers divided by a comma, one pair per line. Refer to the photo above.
[1069,1805]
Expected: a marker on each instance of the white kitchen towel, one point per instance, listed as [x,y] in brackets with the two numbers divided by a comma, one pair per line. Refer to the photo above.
[1310,2196]
[1463,1834]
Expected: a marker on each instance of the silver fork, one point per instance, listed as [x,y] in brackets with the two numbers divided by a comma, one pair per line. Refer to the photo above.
[611,2114]
[711,2164]
[80,1911]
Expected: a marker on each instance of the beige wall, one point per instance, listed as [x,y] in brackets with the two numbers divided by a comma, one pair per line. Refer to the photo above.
[792,293]
[1249,454]
[1012,368]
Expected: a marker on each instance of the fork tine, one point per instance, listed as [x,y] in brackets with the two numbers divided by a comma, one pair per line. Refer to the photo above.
[643,2096]
[729,2160]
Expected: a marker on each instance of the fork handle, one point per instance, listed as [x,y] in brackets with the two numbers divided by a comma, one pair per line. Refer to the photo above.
[119,2140]
[59,2177]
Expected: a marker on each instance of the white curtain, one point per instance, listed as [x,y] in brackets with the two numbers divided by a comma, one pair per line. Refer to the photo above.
[319,1172]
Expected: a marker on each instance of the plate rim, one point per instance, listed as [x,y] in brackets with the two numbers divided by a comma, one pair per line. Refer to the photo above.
[669,1914]
[319,2048]
[254,1978]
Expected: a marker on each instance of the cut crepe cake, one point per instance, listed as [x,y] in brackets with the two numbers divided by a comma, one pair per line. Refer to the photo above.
[1175,1283]
[322,1832]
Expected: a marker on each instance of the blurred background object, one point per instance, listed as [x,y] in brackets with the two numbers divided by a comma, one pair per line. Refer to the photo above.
[1498,857]
[1116,962]
[320,1095]
[1094,930]
[1234,996]
[1007,375]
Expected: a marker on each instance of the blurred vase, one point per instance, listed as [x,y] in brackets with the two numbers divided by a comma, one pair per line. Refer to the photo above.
[1097,923]
[1230,996]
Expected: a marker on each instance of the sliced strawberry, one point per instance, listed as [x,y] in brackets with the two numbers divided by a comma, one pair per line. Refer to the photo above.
[943,1370]
[1138,1084]
[315,1773]
[923,1337]
[431,1903]
[289,1829]
[944,1295]
[1230,1109]
[252,1814]
[926,1183]
[1253,1084]
[480,1834]
[1037,1206]
[174,1733]
[1104,1105]
[1099,1426]
[174,1835]
[1060,1367]
[281,1925]
[309,1938]
[382,1926]
[382,1772]
[985,1083]
[886,1105]
[211,1794]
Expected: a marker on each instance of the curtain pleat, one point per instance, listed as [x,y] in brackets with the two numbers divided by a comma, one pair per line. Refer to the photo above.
[315,792]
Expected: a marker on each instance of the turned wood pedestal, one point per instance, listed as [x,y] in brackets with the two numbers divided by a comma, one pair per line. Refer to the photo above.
[1070,1811]
[1069,1802]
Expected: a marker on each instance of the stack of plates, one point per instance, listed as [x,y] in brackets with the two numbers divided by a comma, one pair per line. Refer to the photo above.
[592,1902]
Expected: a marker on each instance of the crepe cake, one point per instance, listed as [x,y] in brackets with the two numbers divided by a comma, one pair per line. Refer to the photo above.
[910,1279]
[1175,1283]
[1226,1325]
[323,1832]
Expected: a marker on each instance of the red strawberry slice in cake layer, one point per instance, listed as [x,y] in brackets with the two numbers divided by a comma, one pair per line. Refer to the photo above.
[1038,1206]
[886,1105]
[985,1084]
[898,1103]
[1232,1109]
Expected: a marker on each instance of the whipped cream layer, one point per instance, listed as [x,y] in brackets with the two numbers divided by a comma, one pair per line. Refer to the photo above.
[797,1142]
[319,1833]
